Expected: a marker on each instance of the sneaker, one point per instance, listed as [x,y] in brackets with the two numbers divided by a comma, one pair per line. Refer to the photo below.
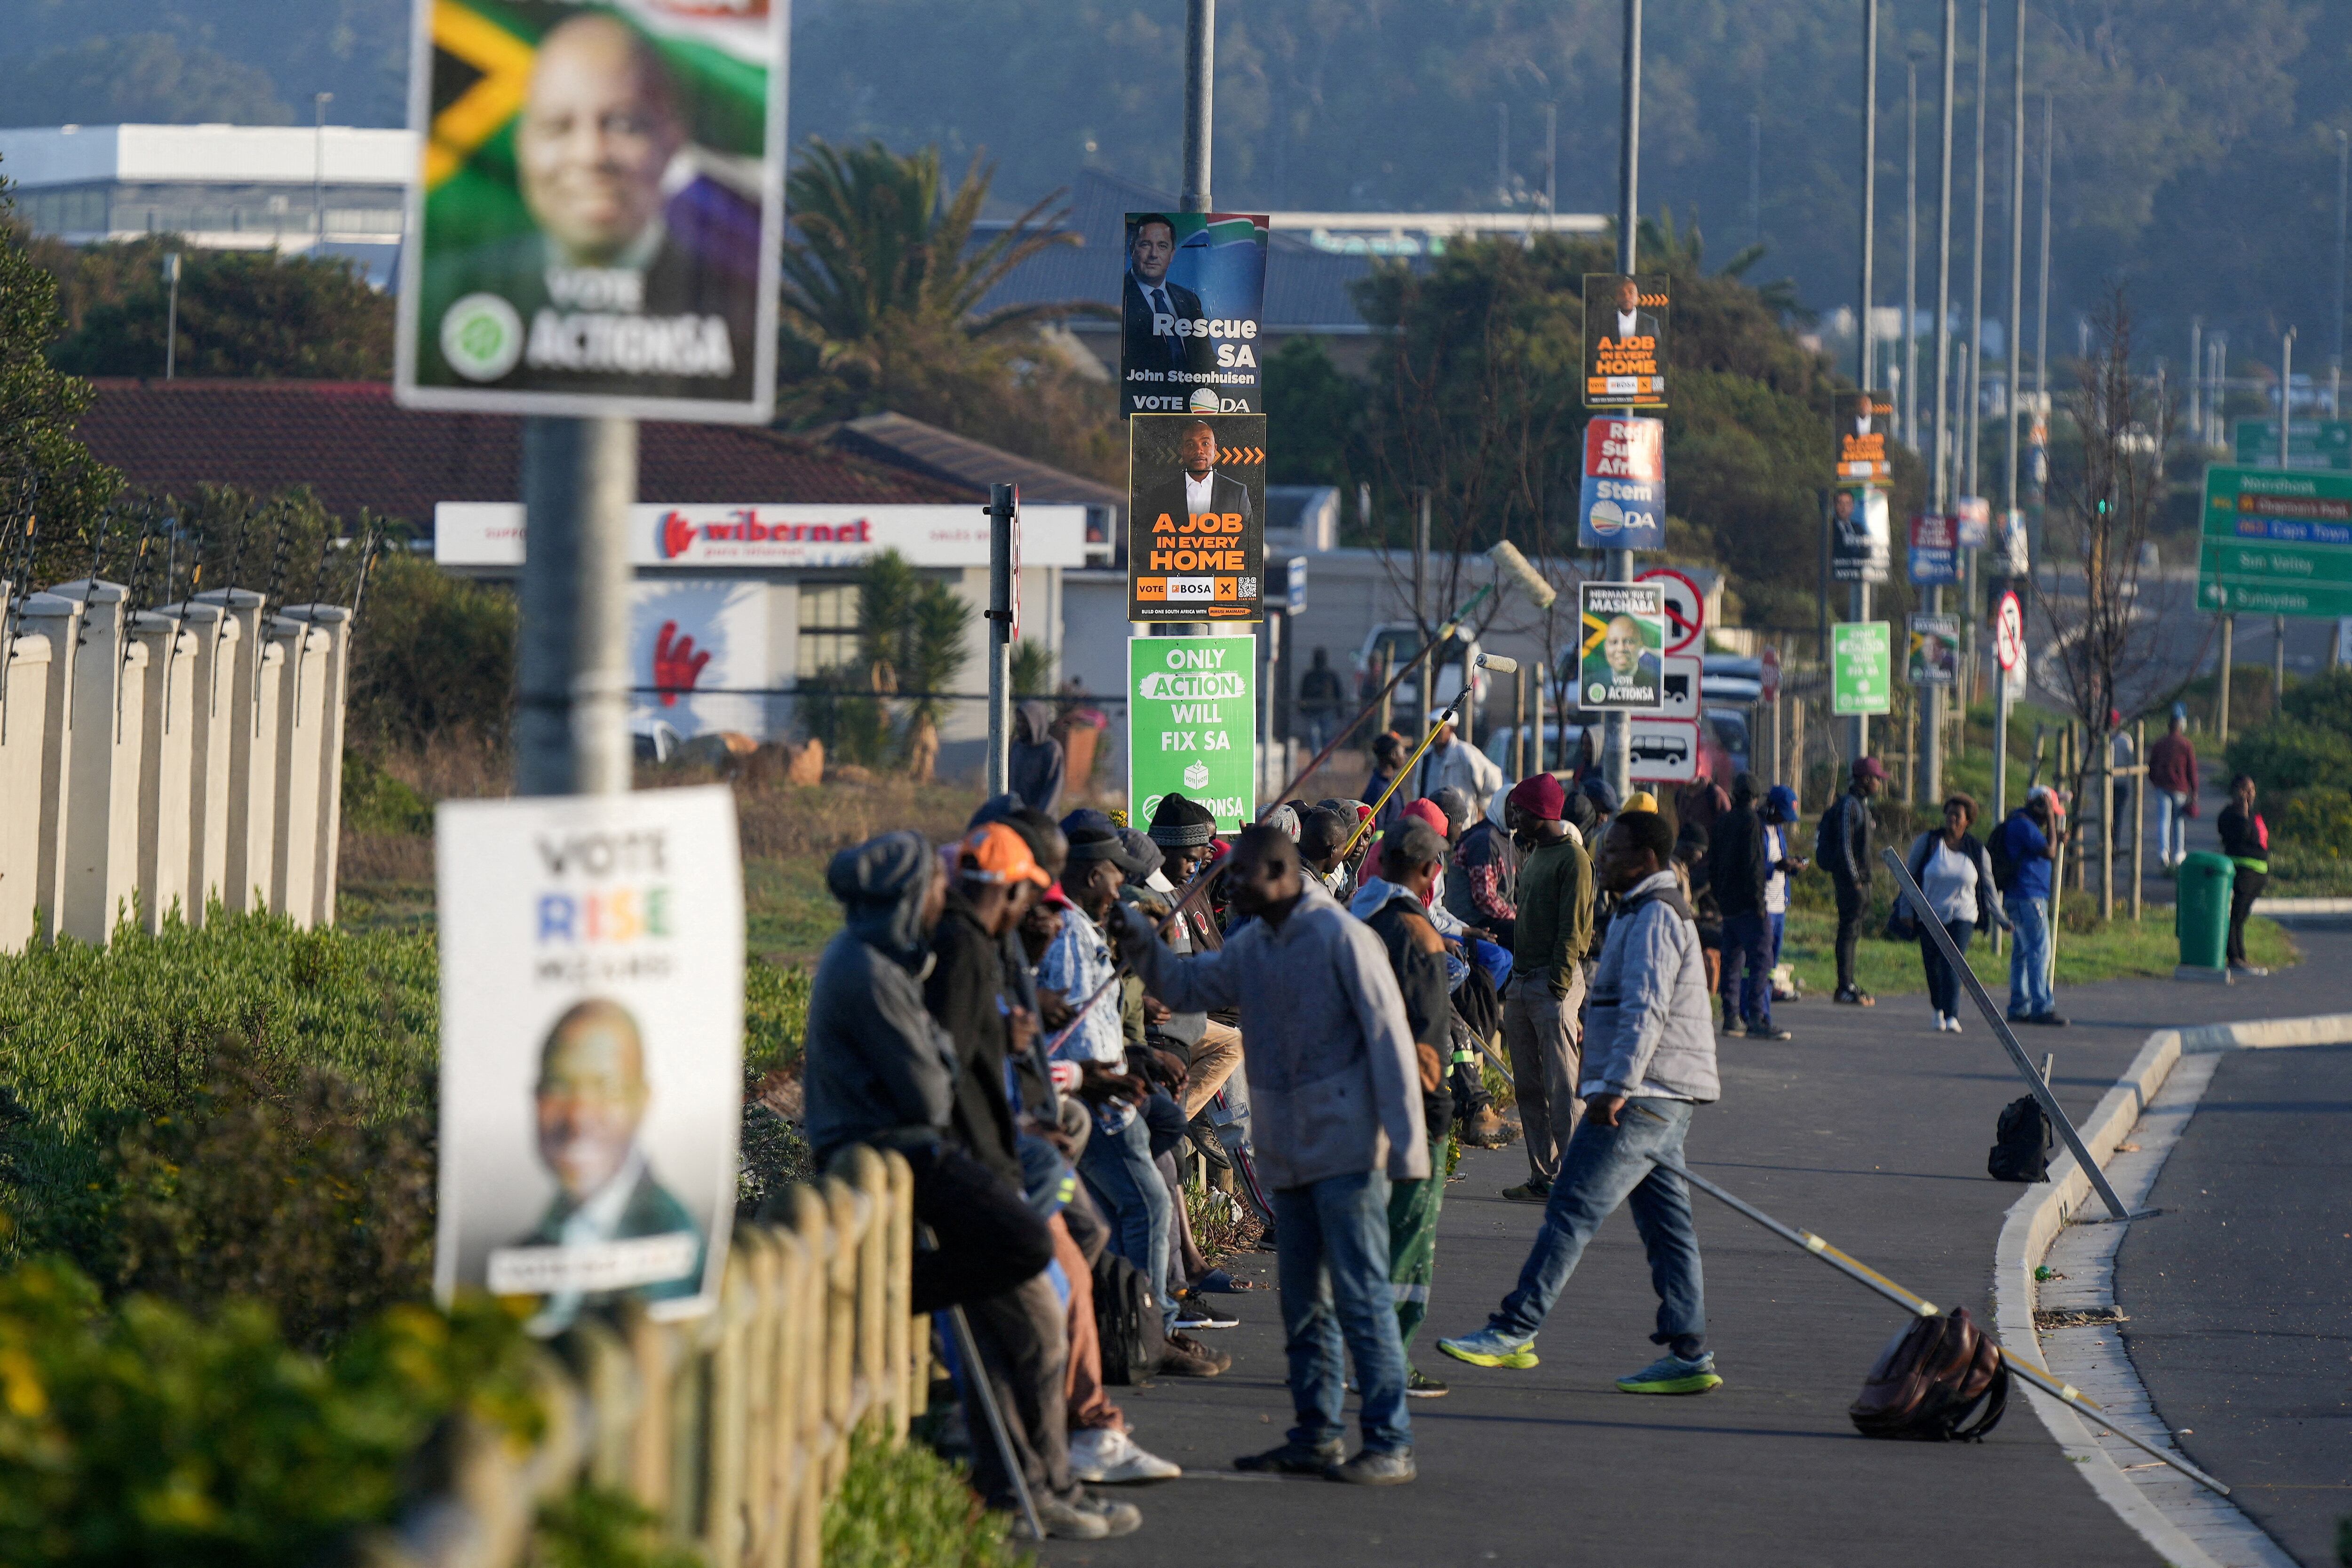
[1193,1312]
[2254,970]
[1377,1467]
[1119,1518]
[1419,1384]
[1854,997]
[1062,1520]
[1672,1374]
[1769,1031]
[1951,1023]
[1187,1357]
[1530,1190]
[1491,1347]
[1734,1031]
[1110,1458]
[1296,1460]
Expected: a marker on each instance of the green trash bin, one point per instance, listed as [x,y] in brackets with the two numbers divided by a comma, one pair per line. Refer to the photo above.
[2202,916]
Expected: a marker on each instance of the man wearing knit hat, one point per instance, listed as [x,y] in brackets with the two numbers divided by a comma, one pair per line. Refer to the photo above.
[1553,929]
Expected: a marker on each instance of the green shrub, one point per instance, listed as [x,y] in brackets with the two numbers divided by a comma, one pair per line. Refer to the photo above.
[433,655]
[376,802]
[776,1016]
[908,1508]
[2288,755]
[148,1434]
[2317,822]
[2324,701]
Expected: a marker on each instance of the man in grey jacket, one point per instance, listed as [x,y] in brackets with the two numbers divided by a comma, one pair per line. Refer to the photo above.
[1334,1090]
[1649,1059]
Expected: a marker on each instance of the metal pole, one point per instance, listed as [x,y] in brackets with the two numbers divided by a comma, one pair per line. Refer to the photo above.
[1930,775]
[1003,515]
[2197,379]
[2222,703]
[1502,155]
[172,316]
[2041,332]
[1551,158]
[1999,1022]
[318,101]
[1861,595]
[1618,564]
[572,719]
[1520,724]
[975,1372]
[2139,810]
[1911,249]
[2343,194]
[1973,468]
[1200,94]
[2016,333]
[1755,179]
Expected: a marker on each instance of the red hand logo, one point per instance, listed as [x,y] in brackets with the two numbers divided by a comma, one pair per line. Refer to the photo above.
[676,535]
[676,665]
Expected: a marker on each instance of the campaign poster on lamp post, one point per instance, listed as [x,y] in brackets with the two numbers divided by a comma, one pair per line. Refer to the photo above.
[597,214]
[1620,661]
[1192,706]
[592,1049]
[1196,517]
[1626,321]
[1190,305]
[1861,420]
[1623,504]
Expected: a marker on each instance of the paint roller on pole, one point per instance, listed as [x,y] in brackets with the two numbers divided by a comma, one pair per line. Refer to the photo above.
[1510,565]
[1854,1268]
[1494,661]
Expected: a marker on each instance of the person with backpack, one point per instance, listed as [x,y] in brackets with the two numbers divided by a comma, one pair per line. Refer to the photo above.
[2022,851]
[1955,874]
[1843,846]
[2246,840]
[1649,1063]
[1741,864]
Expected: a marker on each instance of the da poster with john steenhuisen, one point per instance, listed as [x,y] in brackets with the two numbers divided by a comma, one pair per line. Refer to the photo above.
[1192,297]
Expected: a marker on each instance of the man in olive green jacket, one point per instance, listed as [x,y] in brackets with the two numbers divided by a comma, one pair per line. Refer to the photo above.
[1541,1017]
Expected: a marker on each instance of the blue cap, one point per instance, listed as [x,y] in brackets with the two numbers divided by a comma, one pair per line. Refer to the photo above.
[1781,803]
[2181,711]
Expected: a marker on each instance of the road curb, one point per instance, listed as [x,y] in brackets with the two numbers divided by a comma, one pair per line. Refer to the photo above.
[2034,1222]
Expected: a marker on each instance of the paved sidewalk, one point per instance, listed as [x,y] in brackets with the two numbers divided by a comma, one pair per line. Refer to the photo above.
[1867,1128]
[2236,1291]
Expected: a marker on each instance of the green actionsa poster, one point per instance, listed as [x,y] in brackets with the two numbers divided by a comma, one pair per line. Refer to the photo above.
[1192,706]
[1861,674]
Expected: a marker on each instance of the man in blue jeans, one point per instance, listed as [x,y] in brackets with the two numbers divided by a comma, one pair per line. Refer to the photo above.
[1649,1060]
[1335,1089]
[2027,846]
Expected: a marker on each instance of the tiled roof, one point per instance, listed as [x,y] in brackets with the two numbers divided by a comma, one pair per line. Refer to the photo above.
[910,444]
[355,449]
[1306,289]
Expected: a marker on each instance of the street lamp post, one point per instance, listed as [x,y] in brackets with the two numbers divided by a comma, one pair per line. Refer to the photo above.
[318,101]
[170,313]
[1616,727]
[1860,597]
[1911,249]
[2016,346]
[1940,498]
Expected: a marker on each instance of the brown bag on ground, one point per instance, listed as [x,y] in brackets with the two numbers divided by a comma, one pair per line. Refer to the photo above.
[1938,1381]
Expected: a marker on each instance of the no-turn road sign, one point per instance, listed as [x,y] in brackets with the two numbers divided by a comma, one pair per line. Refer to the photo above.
[2009,632]
[1686,611]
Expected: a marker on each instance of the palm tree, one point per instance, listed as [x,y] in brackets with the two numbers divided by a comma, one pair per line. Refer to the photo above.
[883,285]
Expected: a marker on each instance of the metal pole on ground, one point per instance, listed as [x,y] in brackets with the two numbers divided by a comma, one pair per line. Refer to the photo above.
[572,719]
[1616,727]
[1999,1025]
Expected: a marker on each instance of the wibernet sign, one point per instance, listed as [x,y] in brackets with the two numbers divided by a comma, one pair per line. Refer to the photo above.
[775,536]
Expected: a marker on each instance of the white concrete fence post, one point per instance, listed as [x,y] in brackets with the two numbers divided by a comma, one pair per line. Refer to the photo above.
[108,693]
[166,752]
[252,693]
[333,623]
[24,712]
[210,708]
[57,619]
[300,719]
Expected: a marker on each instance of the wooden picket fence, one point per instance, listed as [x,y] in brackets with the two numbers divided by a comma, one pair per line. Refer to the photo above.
[732,1428]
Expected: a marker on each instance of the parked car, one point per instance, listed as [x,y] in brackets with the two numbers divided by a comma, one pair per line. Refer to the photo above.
[1561,743]
[1729,726]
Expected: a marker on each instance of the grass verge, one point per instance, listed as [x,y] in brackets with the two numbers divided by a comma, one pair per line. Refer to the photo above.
[2117,949]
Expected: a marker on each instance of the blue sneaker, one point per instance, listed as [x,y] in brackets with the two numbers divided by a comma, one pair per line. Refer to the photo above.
[1672,1374]
[1491,1347]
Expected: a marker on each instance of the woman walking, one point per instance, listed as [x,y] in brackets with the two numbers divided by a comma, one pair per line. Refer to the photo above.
[1953,872]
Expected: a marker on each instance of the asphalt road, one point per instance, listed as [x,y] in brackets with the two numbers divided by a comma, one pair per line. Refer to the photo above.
[1868,1129]
[2237,1293]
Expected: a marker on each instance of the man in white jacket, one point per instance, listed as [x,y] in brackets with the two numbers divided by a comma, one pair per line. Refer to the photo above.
[1453,763]
[1649,1061]
[1335,1091]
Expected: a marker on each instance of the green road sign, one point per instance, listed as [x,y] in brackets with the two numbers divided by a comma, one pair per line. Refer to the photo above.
[2276,541]
[1192,710]
[1861,676]
[2317,444]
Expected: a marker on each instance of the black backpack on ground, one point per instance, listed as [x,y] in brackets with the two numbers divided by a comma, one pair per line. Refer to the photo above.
[1127,1319]
[2022,1151]
[1940,1380]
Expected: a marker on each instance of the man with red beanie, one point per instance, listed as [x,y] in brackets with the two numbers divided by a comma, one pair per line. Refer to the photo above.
[1540,1031]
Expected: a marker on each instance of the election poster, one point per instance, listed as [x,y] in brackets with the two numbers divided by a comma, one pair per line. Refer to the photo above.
[1620,659]
[1935,550]
[596,215]
[592,1049]
[1196,517]
[1935,650]
[1972,518]
[1625,340]
[1190,305]
[1190,726]
[1860,680]
[1858,549]
[1861,420]
[1622,505]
